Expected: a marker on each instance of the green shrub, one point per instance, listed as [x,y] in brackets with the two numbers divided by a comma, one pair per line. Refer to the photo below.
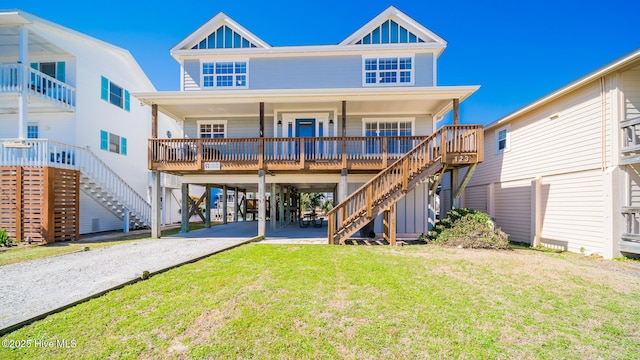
[468,228]
[4,239]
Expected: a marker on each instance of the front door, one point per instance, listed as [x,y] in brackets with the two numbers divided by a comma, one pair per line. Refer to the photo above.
[306,128]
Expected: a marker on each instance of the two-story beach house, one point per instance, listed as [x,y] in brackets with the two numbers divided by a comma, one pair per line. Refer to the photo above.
[563,171]
[72,137]
[357,119]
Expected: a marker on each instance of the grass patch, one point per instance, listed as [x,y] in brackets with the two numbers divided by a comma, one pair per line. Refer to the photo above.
[297,301]
[32,252]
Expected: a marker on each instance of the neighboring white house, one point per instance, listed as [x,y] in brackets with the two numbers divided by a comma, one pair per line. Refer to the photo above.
[65,101]
[314,118]
[564,170]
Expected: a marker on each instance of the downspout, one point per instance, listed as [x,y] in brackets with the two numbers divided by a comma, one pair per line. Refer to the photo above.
[603,100]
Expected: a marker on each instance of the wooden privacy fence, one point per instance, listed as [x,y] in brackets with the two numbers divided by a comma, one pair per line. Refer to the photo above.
[41,203]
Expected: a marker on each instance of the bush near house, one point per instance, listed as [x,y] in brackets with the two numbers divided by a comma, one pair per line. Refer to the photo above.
[4,239]
[468,228]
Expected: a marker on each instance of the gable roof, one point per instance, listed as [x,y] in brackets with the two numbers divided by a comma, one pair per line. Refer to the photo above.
[603,71]
[216,32]
[393,26]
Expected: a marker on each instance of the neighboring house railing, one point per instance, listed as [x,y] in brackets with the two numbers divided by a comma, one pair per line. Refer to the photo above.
[38,84]
[42,152]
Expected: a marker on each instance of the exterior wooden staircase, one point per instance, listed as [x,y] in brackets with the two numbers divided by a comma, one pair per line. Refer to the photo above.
[448,148]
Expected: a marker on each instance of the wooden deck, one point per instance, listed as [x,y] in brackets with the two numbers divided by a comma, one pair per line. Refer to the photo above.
[317,154]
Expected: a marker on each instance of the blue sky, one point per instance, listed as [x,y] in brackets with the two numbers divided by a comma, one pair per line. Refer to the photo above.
[517,51]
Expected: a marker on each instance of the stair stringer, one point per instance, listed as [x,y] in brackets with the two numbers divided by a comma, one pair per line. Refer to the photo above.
[395,195]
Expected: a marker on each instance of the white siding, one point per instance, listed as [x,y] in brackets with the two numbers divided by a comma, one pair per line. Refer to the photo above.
[513,209]
[631,89]
[95,217]
[572,211]
[475,197]
[540,146]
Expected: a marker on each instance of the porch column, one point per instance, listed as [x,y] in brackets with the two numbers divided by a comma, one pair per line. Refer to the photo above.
[344,185]
[262,211]
[127,219]
[155,204]
[185,208]
[154,121]
[455,202]
[23,51]
[244,206]
[456,111]
[344,134]
[225,212]
[281,206]
[274,208]
[235,204]
[207,207]
[431,215]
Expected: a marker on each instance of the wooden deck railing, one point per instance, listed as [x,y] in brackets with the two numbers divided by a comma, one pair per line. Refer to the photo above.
[276,153]
[462,144]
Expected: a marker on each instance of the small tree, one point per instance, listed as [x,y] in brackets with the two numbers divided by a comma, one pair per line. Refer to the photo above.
[311,201]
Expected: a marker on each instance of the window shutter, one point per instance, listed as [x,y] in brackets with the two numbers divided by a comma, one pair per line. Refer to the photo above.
[61,71]
[126,100]
[104,140]
[35,66]
[105,89]
[123,146]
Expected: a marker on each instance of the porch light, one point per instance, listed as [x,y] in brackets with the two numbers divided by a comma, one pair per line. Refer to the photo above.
[279,122]
[330,121]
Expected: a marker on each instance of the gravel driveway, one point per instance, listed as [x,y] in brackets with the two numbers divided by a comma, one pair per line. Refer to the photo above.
[36,287]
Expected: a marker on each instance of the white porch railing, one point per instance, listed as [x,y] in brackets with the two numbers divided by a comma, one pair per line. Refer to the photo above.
[42,152]
[38,84]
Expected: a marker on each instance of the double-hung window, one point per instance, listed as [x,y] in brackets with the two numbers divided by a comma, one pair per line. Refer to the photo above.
[385,71]
[224,74]
[115,94]
[393,131]
[113,143]
[502,140]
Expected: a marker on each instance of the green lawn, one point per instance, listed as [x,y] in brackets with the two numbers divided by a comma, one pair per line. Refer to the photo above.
[359,302]
[25,253]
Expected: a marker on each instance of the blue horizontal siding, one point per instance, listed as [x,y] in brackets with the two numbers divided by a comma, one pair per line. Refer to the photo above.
[306,72]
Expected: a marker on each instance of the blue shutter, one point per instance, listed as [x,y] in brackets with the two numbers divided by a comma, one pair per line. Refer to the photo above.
[35,66]
[61,73]
[104,95]
[123,146]
[104,140]
[126,100]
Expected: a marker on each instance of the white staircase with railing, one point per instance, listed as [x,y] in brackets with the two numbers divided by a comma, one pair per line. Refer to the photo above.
[98,180]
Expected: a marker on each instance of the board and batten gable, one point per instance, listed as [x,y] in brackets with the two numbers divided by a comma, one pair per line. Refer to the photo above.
[309,72]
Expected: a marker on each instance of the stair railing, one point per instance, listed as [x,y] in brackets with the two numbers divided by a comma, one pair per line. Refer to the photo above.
[397,176]
[42,152]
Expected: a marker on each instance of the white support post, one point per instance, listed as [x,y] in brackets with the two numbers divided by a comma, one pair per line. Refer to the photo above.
[614,189]
[235,204]
[207,207]
[344,185]
[163,206]
[536,211]
[155,205]
[23,51]
[455,200]
[262,211]
[273,206]
[281,207]
[225,205]
[491,196]
[125,227]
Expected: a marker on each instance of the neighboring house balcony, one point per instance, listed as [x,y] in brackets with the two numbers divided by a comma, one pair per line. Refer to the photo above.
[366,154]
[46,94]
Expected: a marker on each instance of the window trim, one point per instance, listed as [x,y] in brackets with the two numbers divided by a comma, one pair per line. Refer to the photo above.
[105,142]
[507,146]
[105,94]
[212,122]
[398,71]
[397,120]
[214,62]
[33,125]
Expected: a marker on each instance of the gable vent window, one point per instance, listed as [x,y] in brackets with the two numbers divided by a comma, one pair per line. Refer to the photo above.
[224,38]
[386,71]
[390,32]
[115,94]
[224,74]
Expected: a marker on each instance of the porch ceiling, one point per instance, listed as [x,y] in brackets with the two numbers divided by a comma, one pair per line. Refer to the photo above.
[9,41]
[191,104]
